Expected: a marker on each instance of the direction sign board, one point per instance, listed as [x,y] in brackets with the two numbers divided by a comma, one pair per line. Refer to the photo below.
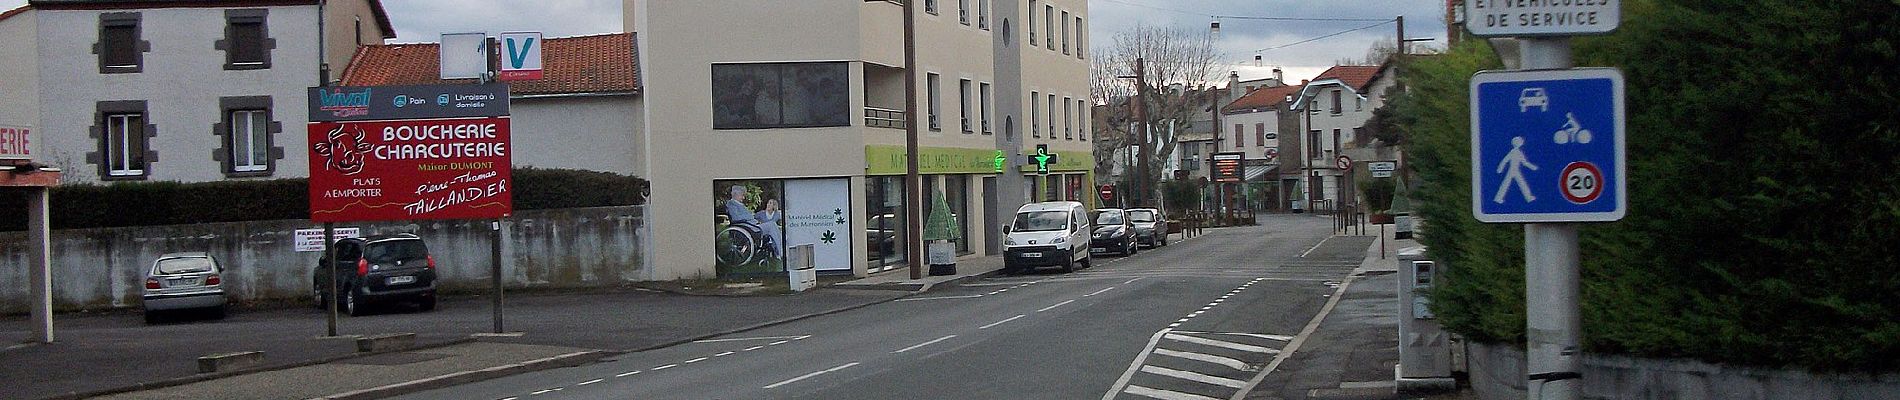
[1542,17]
[1547,146]
[520,56]
[1382,166]
[1382,174]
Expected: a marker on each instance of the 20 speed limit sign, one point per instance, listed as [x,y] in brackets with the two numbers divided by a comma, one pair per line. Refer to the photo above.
[1582,182]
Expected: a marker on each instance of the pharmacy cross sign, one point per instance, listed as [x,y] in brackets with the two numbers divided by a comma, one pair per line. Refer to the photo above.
[1042,158]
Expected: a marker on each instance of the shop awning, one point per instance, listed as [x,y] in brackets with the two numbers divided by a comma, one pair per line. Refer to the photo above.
[1255,172]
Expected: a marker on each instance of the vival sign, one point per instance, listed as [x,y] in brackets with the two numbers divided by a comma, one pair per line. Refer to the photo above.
[1547,146]
[521,56]
[1542,17]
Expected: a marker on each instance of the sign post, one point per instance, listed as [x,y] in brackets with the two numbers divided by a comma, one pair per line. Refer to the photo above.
[1547,151]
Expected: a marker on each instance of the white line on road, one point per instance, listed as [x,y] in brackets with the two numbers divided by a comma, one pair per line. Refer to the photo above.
[1194,376]
[808,376]
[1164,394]
[1219,343]
[698,360]
[968,296]
[543,391]
[626,374]
[778,343]
[1099,291]
[753,348]
[1000,322]
[1297,340]
[724,354]
[914,347]
[1131,281]
[1315,246]
[751,338]
[1229,362]
[1133,366]
[589,382]
[1057,305]
[1282,338]
[509,398]
[665,367]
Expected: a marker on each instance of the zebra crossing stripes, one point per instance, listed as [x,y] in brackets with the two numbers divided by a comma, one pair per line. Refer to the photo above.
[1198,365]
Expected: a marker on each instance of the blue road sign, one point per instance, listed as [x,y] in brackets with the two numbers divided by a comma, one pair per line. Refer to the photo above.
[1547,146]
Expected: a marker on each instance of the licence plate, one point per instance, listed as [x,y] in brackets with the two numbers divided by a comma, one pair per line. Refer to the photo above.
[1032,254]
[185,282]
[1097,250]
[398,280]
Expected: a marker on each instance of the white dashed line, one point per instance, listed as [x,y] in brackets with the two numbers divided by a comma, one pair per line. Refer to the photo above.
[992,324]
[589,382]
[1100,291]
[665,367]
[724,354]
[698,360]
[1057,305]
[751,338]
[808,376]
[542,391]
[623,374]
[914,347]
[753,348]
[778,343]
[1131,281]
[967,296]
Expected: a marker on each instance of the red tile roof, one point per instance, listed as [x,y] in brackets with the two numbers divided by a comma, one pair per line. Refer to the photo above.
[1263,98]
[1357,76]
[571,65]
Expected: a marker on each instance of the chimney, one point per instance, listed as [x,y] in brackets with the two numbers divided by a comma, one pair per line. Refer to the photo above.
[1233,85]
[1278,76]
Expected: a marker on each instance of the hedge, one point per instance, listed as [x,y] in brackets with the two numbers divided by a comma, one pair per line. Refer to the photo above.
[172,203]
[1763,210]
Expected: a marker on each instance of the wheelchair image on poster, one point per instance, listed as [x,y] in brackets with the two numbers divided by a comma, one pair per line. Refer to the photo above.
[744,242]
[748,238]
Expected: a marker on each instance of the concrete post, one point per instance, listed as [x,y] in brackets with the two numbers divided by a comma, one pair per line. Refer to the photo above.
[40,264]
[1551,280]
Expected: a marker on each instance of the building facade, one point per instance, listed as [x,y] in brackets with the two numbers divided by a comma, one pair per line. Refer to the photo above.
[1332,111]
[171,91]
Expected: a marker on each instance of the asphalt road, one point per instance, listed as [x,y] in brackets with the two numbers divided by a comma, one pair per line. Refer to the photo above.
[1202,318]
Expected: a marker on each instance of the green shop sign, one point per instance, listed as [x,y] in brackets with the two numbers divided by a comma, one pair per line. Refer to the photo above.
[889,160]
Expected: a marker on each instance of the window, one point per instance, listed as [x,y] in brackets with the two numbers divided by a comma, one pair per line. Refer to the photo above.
[1312,141]
[246,42]
[1052,116]
[1260,134]
[1335,146]
[963,11]
[1079,33]
[983,105]
[1336,108]
[930,6]
[359,31]
[983,14]
[963,105]
[1048,22]
[780,95]
[1034,114]
[1032,26]
[1358,103]
[932,93]
[1239,139]
[119,48]
[1065,32]
[1081,119]
[123,136]
[248,134]
[1068,115]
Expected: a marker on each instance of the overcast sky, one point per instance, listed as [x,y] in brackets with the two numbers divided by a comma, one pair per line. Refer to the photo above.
[423,20]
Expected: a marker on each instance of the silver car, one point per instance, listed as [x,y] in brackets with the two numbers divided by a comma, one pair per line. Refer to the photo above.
[184,281]
[1151,226]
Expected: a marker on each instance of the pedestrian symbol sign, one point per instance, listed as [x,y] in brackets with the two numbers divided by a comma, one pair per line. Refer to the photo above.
[1547,146]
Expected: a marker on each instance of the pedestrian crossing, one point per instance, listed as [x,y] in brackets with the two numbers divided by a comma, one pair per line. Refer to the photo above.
[1188,365]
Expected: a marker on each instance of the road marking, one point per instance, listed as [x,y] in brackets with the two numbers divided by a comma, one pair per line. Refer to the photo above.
[1297,340]
[968,296]
[1229,362]
[1057,305]
[509,398]
[1218,343]
[1315,246]
[778,343]
[543,391]
[753,348]
[589,382]
[808,376]
[1194,376]
[1164,394]
[1000,322]
[724,354]
[698,360]
[665,367]
[1100,291]
[625,374]
[1136,365]
[751,338]
[1131,281]
[914,347]
[1282,338]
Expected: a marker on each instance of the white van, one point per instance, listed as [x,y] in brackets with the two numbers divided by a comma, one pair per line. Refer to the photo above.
[1054,233]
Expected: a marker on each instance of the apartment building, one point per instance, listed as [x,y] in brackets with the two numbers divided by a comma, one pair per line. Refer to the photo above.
[1331,111]
[769,126]
[174,91]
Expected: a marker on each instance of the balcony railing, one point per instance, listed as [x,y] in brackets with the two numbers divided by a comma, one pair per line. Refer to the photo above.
[884,118]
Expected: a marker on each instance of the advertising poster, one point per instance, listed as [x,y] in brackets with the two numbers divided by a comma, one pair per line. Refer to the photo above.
[818,213]
[749,227]
[409,170]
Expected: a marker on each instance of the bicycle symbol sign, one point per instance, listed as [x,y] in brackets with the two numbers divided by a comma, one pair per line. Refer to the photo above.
[1547,146]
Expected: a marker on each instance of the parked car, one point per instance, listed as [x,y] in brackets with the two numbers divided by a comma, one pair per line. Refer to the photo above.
[378,269]
[1151,226]
[1114,233]
[183,281]
[1052,233]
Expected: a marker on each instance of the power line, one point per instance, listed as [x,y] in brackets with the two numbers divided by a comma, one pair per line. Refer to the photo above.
[1241,17]
[1325,36]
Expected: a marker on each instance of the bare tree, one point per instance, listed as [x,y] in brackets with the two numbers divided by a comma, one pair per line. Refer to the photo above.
[1170,56]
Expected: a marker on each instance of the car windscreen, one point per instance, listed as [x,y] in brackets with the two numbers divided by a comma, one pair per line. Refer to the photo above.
[1141,216]
[184,265]
[1108,218]
[395,250]
[1038,221]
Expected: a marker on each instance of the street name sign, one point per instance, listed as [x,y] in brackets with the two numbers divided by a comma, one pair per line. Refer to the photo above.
[1489,18]
[1377,166]
[1547,146]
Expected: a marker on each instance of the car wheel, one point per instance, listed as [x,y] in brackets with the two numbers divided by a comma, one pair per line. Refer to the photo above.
[1164,240]
[351,305]
[1133,248]
[428,303]
[1068,266]
[1088,261]
[317,296]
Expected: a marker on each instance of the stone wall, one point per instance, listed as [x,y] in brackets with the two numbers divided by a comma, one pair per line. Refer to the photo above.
[1497,373]
[104,268]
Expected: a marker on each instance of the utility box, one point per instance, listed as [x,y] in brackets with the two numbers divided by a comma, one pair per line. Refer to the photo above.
[799,269]
[1424,347]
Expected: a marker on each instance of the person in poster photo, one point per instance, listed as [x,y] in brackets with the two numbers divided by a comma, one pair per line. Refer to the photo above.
[768,221]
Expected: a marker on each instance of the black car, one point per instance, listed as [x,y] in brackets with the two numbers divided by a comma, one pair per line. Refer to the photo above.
[1113,232]
[378,269]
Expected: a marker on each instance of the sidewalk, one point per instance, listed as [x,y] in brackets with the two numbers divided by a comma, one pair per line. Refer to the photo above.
[1353,351]
[124,358]
[968,268]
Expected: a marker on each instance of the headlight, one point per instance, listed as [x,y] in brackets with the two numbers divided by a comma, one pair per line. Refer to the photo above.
[1008,241]
[1060,240]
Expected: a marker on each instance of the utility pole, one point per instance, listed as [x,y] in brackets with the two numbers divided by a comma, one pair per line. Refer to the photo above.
[1551,277]
[913,183]
[1401,37]
[1147,149]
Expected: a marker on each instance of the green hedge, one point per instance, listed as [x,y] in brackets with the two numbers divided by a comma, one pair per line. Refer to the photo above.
[171,203]
[1764,209]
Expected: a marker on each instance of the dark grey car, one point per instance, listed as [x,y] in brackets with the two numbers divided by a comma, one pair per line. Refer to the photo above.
[1151,226]
[378,269]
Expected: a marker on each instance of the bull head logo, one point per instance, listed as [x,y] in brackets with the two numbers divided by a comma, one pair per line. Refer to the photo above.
[343,151]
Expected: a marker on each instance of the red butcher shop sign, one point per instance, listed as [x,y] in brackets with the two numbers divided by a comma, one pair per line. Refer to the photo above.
[450,168]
